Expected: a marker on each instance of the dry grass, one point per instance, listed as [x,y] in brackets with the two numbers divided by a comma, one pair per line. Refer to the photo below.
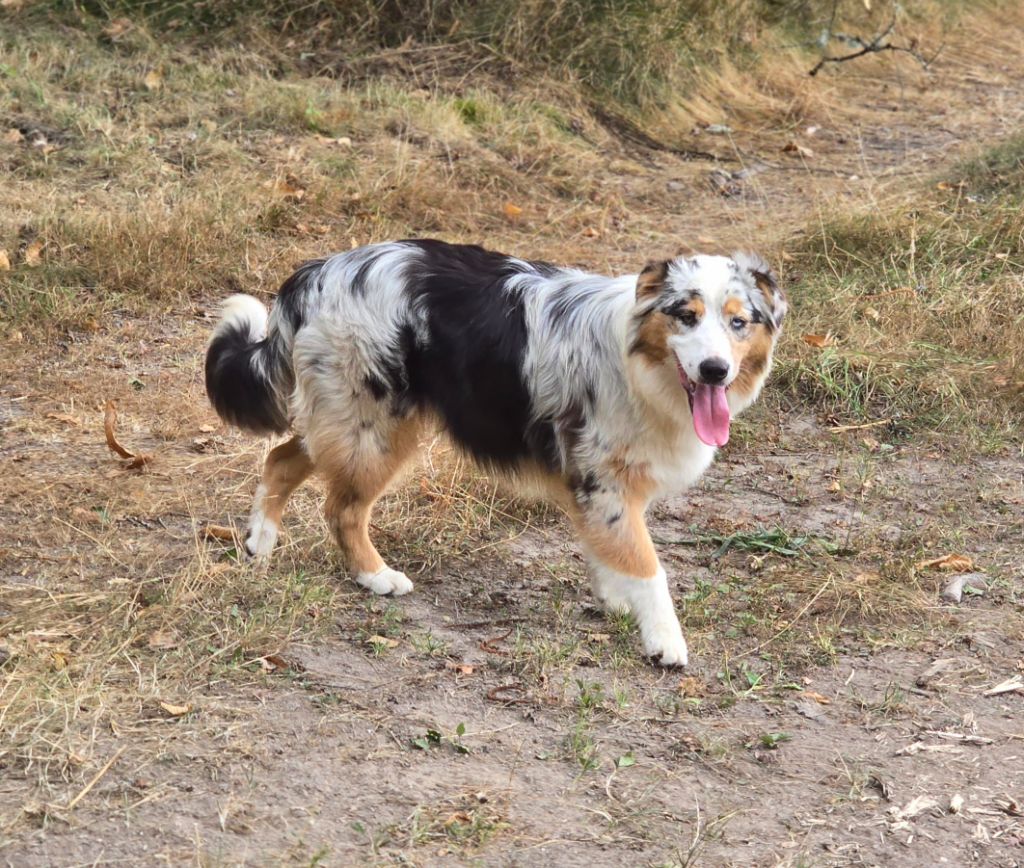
[921,304]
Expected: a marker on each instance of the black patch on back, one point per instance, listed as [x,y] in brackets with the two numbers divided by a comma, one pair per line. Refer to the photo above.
[291,296]
[470,369]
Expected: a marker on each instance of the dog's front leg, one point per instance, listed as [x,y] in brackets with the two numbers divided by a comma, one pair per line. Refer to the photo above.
[626,575]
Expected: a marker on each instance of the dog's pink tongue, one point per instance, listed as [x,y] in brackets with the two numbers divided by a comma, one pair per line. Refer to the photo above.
[711,415]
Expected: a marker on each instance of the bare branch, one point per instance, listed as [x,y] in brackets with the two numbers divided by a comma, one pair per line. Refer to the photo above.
[875,45]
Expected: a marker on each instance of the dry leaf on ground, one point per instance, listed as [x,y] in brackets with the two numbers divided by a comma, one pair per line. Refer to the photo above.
[5,261]
[67,418]
[798,149]
[109,423]
[162,640]
[691,687]
[460,668]
[176,710]
[118,28]
[289,186]
[273,662]
[820,341]
[154,80]
[34,253]
[947,563]
[219,531]
[513,212]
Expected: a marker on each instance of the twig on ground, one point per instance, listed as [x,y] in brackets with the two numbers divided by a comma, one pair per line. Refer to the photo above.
[95,779]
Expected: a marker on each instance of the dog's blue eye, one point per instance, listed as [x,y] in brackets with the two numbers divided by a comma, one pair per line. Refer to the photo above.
[738,323]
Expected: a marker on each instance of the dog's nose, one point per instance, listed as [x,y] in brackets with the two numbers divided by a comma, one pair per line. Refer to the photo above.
[713,371]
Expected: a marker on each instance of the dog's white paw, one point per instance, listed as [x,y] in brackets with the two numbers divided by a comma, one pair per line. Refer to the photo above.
[665,643]
[612,602]
[262,537]
[386,581]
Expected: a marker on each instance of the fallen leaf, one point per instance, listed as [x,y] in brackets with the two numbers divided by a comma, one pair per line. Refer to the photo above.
[218,531]
[460,668]
[289,187]
[154,80]
[947,563]
[109,422]
[1008,805]
[118,28]
[513,212]
[272,662]
[798,149]
[625,761]
[59,660]
[691,687]
[834,487]
[67,418]
[87,516]
[872,314]
[820,341]
[384,641]
[458,817]
[34,253]
[162,640]
[176,710]
[817,697]
[206,429]
[914,807]
[5,261]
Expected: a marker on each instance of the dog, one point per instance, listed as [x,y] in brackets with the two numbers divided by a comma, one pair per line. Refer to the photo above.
[603,393]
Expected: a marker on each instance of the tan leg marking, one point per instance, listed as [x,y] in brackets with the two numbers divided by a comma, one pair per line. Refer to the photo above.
[286,467]
[624,545]
[355,482]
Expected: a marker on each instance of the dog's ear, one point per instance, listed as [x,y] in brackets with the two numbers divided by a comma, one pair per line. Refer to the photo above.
[651,281]
[757,269]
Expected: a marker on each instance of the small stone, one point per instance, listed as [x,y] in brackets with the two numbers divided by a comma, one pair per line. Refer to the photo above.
[954,590]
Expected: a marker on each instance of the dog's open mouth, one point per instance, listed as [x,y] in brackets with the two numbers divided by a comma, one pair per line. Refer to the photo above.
[709,408]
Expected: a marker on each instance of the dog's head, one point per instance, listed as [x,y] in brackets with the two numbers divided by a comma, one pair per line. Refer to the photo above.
[704,329]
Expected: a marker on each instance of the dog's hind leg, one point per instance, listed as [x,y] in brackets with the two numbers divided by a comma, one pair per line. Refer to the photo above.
[626,575]
[285,469]
[357,474]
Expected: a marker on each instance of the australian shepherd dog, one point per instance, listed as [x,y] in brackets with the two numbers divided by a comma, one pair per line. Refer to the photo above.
[602,392]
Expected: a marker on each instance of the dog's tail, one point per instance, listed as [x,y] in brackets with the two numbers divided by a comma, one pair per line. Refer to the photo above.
[248,371]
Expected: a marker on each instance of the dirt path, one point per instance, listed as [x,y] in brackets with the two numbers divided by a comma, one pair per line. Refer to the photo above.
[836,713]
